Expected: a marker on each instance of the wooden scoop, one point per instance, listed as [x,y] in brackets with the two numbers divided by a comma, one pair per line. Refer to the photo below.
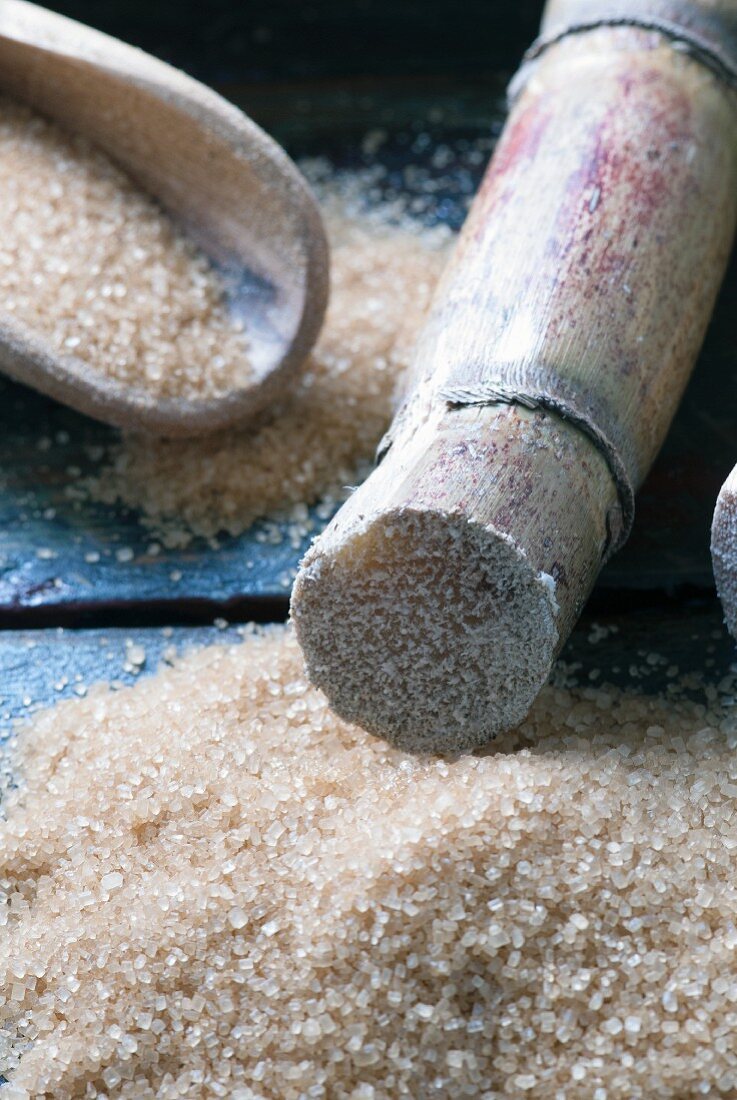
[231,187]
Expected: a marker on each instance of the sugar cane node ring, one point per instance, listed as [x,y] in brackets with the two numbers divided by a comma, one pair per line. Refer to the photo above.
[702,48]
[496,393]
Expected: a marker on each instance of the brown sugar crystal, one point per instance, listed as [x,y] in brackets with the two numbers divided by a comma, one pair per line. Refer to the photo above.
[92,264]
[213,887]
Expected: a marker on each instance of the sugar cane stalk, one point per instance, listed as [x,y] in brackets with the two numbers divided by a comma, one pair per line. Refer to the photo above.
[557,349]
[724,550]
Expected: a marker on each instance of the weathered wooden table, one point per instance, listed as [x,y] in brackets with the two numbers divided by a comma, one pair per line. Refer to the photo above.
[319,78]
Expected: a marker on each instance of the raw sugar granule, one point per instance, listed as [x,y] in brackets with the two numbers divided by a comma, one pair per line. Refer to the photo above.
[384,267]
[212,887]
[93,265]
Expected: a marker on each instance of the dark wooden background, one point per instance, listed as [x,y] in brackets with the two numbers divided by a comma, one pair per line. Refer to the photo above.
[273,40]
[318,75]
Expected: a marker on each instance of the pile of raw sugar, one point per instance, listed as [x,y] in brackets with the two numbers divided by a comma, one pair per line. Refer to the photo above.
[384,267]
[92,264]
[214,888]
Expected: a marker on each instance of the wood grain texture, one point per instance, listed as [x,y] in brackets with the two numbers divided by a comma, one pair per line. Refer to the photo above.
[669,545]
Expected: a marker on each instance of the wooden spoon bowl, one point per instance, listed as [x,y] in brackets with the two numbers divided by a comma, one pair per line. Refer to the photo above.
[231,188]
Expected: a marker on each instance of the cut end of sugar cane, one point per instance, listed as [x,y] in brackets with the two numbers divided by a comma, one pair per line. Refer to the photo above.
[432,607]
[427,629]
[724,550]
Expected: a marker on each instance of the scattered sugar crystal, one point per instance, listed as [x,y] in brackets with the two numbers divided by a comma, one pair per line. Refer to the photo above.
[112,881]
[135,654]
[238,918]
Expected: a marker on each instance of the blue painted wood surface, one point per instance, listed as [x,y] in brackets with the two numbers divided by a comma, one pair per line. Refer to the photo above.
[59,549]
[637,647]
[41,667]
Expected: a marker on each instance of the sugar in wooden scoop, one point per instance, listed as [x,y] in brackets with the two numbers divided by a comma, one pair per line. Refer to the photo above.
[213,887]
[92,264]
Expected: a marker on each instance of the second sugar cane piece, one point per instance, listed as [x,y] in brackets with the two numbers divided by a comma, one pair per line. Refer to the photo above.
[560,340]
[724,550]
